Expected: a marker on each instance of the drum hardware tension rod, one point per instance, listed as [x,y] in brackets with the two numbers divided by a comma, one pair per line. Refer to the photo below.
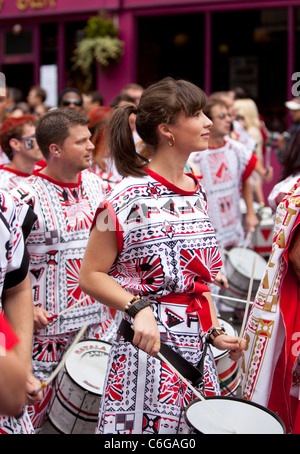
[62,363]
[195,391]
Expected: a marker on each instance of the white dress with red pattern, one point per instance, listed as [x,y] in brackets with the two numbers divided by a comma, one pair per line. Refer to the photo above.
[168,253]
[15,219]
[56,246]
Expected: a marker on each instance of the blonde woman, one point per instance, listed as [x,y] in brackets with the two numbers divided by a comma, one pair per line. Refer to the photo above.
[247,113]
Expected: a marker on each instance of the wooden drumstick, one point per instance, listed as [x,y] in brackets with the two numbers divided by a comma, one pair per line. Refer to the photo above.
[248,301]
[230,298]
[62,363]
[196,392]
[68,308]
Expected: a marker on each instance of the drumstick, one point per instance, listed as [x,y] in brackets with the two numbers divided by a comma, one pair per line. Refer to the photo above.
[69,308]
[62,363]
[230,298]
[247,239]
[195,391]
[248,301]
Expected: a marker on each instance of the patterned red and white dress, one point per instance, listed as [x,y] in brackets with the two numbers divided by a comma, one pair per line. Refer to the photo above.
[223,170]
[10,178]
[56,246]
[168,253]
[15,220]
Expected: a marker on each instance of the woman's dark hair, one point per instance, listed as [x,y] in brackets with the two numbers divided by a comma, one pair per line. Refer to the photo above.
[291,163]
[162,102]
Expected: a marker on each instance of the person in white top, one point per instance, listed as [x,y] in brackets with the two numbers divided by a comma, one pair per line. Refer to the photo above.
[64,196]
[225,167]
[154,263]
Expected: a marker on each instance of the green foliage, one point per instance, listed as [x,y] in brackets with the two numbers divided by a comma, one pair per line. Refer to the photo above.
[101,45]
[100,26]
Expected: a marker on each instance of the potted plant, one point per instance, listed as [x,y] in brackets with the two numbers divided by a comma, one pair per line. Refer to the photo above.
[100,45]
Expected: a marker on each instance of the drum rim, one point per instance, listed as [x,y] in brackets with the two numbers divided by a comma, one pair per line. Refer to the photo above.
[239,399]
[70,376]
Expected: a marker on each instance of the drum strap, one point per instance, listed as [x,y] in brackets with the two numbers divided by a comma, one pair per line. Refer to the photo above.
[182,365]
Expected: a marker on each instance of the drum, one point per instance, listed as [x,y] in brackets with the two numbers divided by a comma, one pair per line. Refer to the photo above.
[238,266]
[263,234]
[77,392]
[242,416]
[228,370]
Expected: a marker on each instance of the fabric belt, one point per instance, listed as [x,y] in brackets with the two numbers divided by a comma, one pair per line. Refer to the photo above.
[196,301]
[186,369]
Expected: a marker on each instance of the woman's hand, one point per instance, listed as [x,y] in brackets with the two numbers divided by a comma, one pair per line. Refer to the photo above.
[31,386]
[41,318]
[146,333]
[225,342]
[221,280]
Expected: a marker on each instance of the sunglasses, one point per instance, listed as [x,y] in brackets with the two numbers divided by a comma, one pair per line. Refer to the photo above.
[28,141]
[75,102]
[222,116]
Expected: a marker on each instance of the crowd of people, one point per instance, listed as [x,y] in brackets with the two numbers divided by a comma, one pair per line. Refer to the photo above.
[121,213]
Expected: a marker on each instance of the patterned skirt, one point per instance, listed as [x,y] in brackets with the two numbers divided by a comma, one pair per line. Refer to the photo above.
[142,394]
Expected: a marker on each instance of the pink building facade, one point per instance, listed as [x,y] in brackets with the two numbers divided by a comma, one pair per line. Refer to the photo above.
[217,43]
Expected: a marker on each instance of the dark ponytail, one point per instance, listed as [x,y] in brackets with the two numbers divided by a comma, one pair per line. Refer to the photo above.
[121,144]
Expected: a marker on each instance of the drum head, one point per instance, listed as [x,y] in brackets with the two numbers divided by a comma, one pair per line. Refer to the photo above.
[87,364]
[243,416]
[242,261]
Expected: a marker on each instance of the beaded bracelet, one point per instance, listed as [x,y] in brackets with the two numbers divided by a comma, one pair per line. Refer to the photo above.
[135,305]
[131,302]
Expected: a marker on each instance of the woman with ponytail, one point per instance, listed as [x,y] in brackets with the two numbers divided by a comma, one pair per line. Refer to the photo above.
[151,255]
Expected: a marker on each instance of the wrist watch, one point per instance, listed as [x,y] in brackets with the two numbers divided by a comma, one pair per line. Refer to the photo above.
[213,333]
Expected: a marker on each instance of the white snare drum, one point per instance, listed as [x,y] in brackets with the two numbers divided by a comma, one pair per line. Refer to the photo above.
[238,265]
[77,392]
[228,370]
[243,416]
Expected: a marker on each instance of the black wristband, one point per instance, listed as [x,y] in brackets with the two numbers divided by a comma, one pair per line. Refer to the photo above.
[136,307]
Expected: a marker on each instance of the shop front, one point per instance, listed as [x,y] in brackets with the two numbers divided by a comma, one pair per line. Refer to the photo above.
[217,44]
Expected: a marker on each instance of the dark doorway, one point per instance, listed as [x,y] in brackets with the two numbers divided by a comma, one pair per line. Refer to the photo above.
[20,76]
[171,46]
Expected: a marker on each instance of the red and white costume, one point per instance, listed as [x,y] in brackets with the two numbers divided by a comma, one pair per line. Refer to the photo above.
[270,370]
[167,253]
[281,189]
[56,246]
[109,174]
[15,219]
[223,171]
[10,178]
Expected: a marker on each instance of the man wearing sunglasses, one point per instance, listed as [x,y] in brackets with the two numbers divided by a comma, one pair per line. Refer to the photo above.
[17,140]
[72,99]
